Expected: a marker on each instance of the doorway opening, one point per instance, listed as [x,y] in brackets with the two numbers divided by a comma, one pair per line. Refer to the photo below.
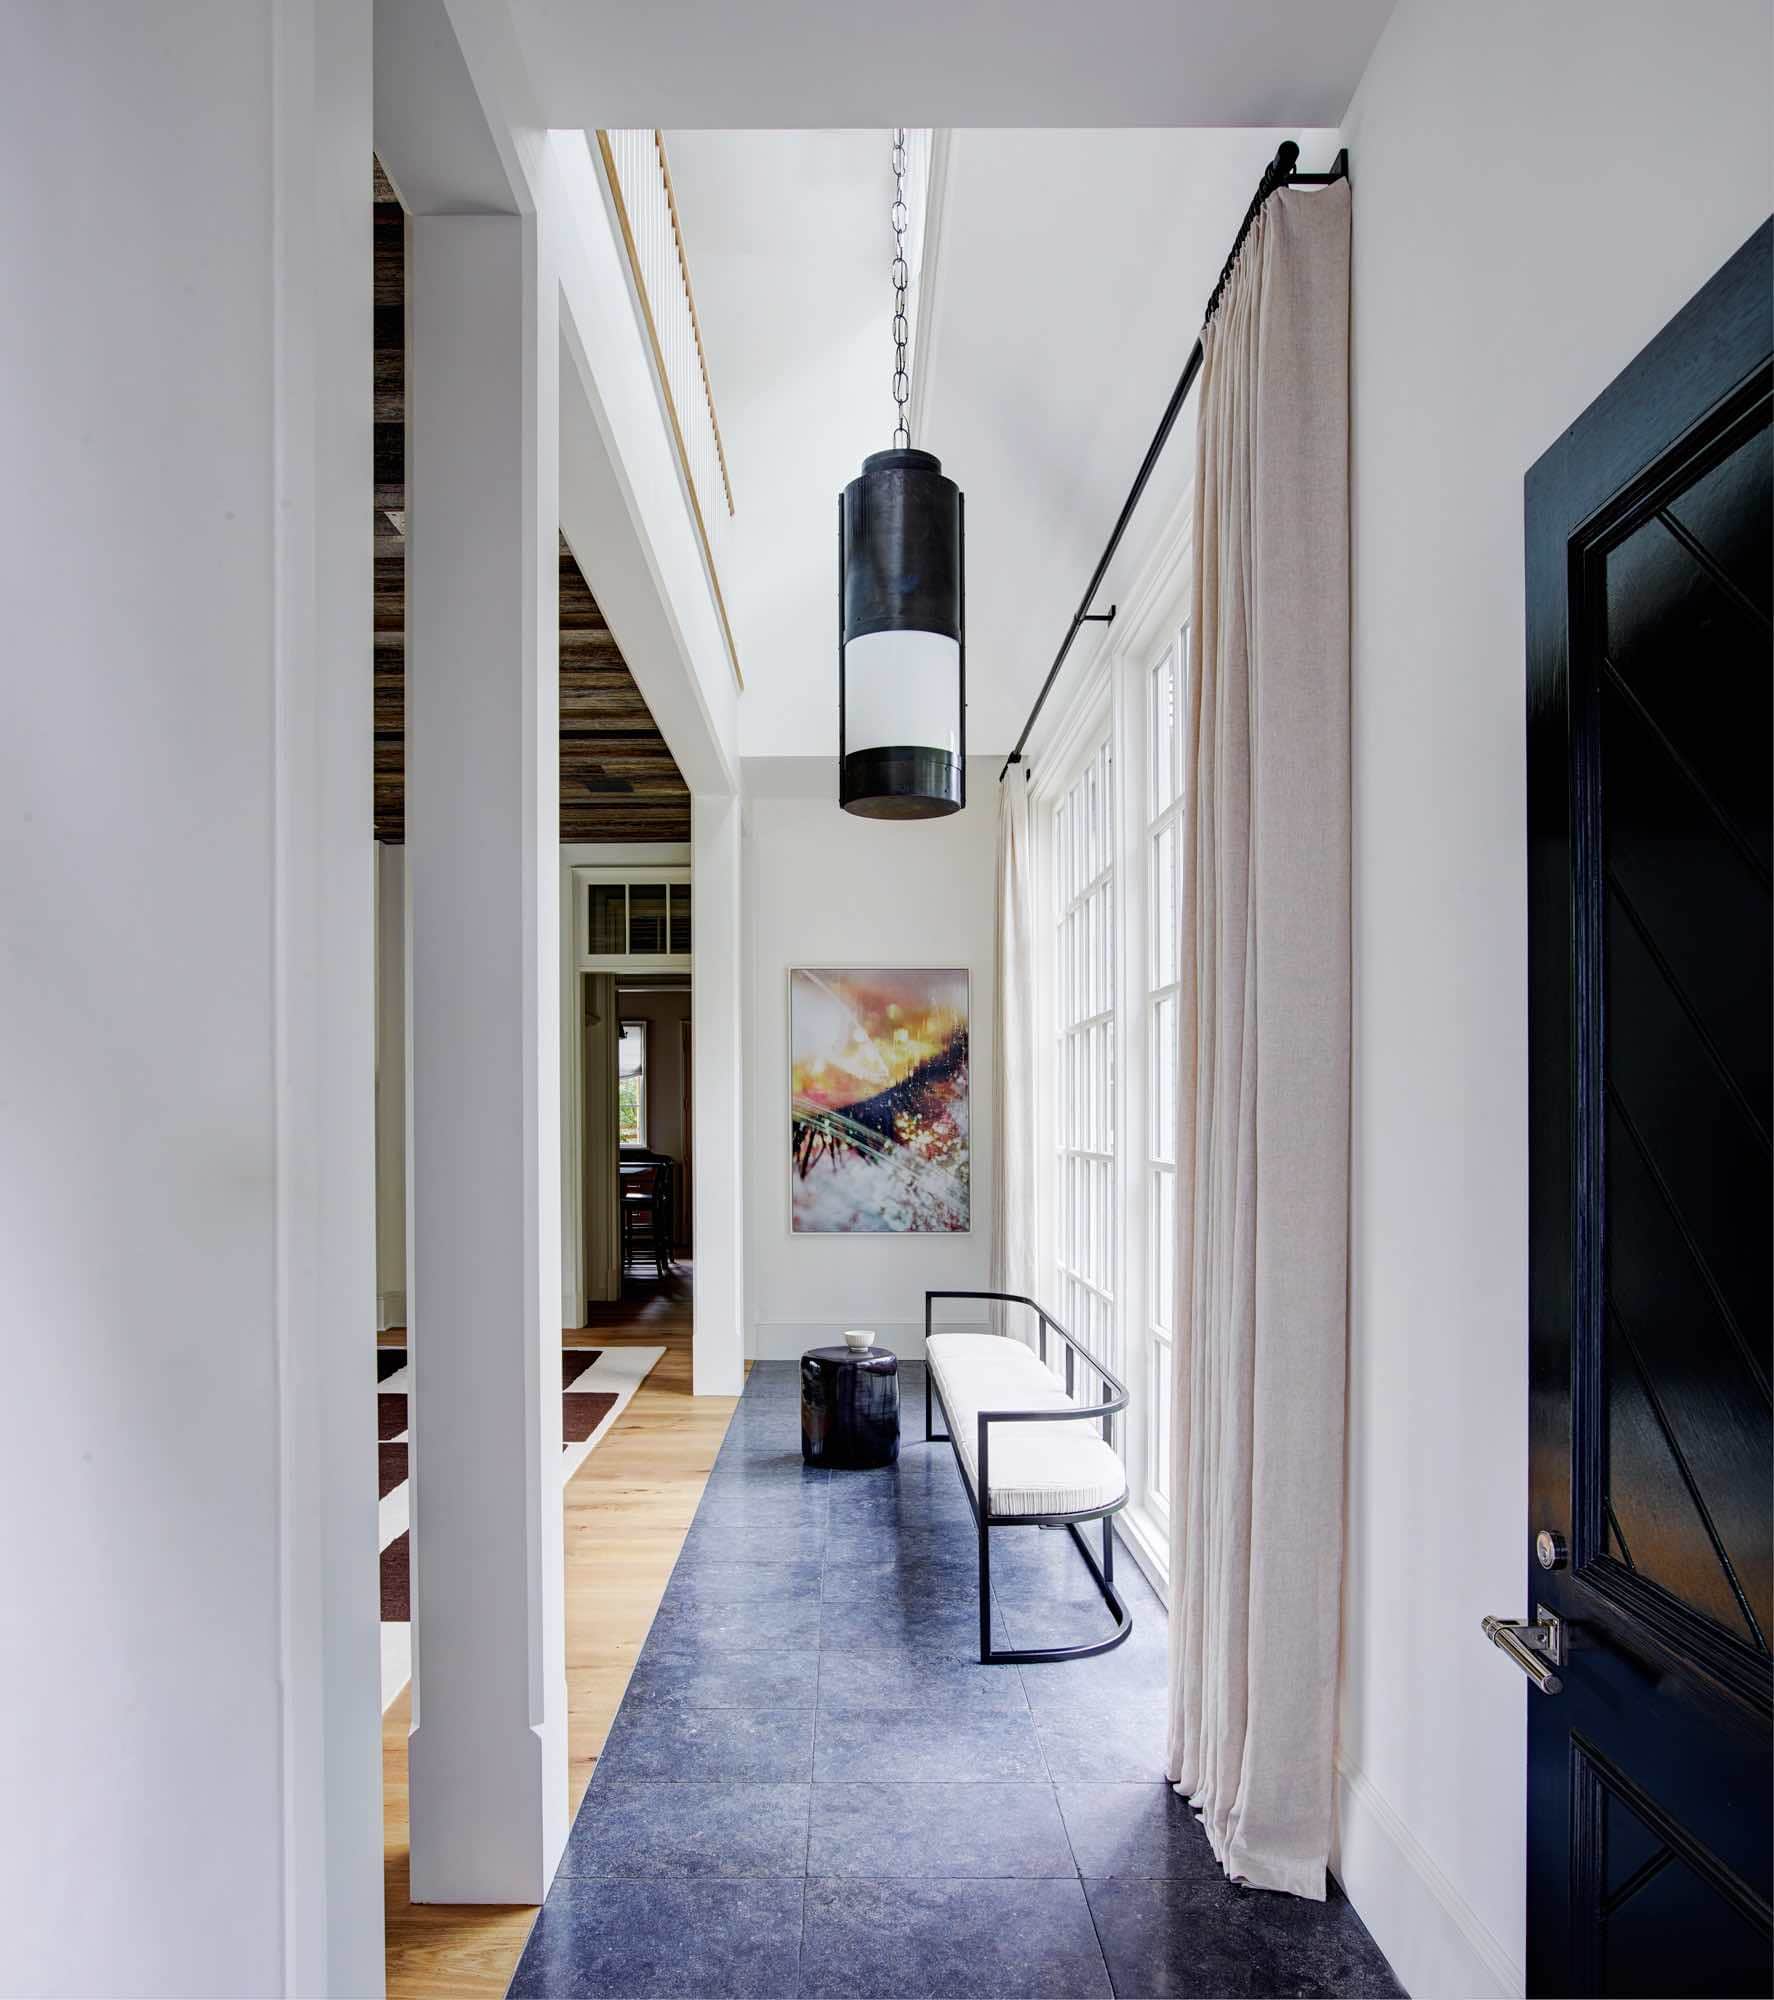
[651,1135]
[626,1134]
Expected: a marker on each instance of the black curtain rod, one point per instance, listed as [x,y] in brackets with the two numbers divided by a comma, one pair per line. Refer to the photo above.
[1279,173]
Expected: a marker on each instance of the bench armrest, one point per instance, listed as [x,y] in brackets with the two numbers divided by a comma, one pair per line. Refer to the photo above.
[1119,1397]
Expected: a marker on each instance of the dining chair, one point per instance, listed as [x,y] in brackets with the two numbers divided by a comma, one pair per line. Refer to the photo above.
[646,1227]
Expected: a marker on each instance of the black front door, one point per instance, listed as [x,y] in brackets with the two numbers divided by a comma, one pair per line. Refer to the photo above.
[1648,581]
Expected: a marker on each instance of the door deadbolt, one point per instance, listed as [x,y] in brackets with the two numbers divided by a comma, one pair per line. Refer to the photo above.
[1550,1550]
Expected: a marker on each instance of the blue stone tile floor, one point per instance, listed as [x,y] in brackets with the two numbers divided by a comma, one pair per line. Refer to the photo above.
[813,1788]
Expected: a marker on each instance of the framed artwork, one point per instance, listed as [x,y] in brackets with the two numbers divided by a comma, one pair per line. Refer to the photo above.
[879,1101]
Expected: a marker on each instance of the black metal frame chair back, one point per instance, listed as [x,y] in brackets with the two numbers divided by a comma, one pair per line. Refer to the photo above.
[981,1501]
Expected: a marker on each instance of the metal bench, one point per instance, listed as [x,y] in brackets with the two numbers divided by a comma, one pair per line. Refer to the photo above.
[1031,1475]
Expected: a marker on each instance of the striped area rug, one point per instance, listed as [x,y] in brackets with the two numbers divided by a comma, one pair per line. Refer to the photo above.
[596,1384]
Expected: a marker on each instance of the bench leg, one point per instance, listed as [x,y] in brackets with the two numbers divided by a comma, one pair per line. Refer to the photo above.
[931,1435]
[1103,1574]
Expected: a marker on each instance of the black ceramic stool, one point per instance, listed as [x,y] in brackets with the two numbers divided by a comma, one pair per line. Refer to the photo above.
[850,1406]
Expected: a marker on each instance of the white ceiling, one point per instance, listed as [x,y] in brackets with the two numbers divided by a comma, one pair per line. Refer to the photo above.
[789,63]
[1073,269]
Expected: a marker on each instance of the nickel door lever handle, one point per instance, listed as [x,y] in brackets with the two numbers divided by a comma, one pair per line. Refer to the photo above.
[1537,1647]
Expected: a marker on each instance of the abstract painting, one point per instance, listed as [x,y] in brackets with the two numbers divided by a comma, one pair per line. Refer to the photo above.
[878,1140]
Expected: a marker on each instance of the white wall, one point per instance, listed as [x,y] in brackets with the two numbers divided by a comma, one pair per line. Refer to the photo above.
[1537,190]
[189,1750]
[823,887]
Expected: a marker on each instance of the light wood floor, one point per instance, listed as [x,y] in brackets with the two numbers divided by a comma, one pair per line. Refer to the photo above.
[627,1511]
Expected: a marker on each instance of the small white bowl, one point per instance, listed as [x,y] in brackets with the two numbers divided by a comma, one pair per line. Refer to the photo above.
[858,1337]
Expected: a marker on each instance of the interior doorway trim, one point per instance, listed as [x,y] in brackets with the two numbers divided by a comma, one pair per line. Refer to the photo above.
[575,856]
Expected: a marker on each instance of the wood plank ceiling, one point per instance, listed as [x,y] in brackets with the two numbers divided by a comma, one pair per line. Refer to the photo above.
[618,779]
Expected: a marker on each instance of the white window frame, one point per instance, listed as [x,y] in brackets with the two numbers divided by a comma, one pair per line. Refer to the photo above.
[636,875]
[1112,704]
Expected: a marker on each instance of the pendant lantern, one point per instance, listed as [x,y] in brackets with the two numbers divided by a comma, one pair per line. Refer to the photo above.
[902,639]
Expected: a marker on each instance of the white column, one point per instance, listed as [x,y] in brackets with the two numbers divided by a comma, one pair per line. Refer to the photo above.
[188,1649]
[488,1754]
[718,1010]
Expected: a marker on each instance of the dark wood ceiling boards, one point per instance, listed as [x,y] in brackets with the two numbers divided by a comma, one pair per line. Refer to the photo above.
[618,780]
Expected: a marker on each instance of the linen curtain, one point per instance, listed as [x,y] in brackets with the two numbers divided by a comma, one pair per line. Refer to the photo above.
[1262,1239]
[1013,1062]
[603,1192]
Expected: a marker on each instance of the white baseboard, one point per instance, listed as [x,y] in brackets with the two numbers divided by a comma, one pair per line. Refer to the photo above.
[391,1310]
[1437,1943]
[789,1339]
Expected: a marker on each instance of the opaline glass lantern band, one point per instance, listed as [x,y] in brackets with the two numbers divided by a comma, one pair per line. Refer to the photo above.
[902,687]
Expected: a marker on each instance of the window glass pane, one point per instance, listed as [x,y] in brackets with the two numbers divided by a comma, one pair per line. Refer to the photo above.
[1163,734]
[631,1084]
[646,917]
[1106,1132]
[1093,959]
[1164,906]
[1164,1078]
[1087,1168]
[1108,1088]
[1081,1091]
[1091,834]
[1087,941]
[1164,1249]
[1162,1353]
[606,929]
[1099,1087]
[680,919]
[1180,681]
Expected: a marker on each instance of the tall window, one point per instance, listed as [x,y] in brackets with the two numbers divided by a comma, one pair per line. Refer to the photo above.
[631,1084]
[1084,1017]
[1163,856]
[1111,827]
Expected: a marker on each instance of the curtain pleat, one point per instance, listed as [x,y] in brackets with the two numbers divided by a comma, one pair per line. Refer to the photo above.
[1263,1061]
[1013,1062]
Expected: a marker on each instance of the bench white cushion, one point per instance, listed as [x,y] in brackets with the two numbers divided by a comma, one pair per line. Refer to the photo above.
[1035,1468]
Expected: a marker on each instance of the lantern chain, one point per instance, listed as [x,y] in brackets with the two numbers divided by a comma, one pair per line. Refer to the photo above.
[902,386]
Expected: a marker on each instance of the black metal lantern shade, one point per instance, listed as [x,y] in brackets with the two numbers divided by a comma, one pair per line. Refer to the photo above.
[902,640]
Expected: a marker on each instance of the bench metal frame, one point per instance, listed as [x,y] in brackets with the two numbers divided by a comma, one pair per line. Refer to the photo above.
[985,1520]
